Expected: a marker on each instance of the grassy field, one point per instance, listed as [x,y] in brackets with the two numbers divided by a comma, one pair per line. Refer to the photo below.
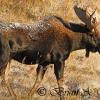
[80,72]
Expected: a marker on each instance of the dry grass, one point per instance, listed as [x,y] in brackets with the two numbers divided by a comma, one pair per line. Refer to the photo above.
[29,10]
[84,72]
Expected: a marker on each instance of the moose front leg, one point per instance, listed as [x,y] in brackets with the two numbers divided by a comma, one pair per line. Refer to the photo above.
[59,70]
[40,74]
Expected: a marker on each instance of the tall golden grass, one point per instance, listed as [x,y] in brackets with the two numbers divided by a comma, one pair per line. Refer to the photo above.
[29,10]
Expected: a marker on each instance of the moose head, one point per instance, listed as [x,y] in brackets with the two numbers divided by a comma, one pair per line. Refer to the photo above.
[91,18]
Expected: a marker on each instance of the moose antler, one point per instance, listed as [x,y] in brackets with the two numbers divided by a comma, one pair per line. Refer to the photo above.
[87,15]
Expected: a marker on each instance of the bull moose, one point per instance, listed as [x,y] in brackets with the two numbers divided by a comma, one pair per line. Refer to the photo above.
[49,41]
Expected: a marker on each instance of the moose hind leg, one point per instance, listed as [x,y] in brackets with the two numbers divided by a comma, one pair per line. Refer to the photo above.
[59,70]
[40,74]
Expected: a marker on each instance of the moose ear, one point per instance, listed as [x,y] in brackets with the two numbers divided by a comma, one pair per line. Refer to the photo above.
[87,15]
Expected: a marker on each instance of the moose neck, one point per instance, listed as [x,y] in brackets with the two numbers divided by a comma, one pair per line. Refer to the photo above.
[81,37]
[83,41]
